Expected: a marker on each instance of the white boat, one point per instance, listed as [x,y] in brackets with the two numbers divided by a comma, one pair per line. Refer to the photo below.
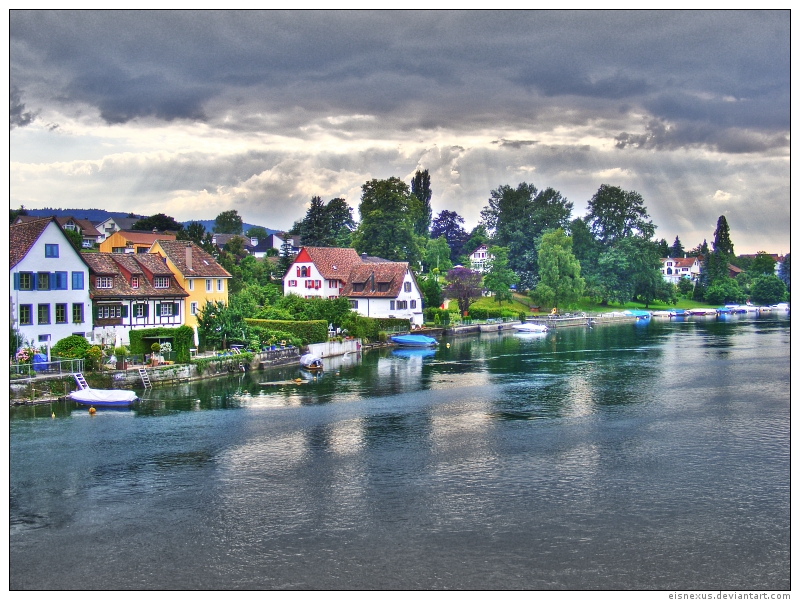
[94,397]
[662,313]
[699,312]
[311,362]
[531,328]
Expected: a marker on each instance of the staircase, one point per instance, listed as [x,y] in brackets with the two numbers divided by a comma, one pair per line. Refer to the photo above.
[79,379]
[145,378]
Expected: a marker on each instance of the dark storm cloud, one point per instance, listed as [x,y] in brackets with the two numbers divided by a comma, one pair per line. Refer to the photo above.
[416,70]
[18,116]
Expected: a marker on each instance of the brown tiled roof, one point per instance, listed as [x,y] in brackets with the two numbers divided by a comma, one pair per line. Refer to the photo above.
[681,262]
[23,236]
[224,238]
[392,273]
[203,264]
[333,263]
[87,228]
[144,237]
[105,263]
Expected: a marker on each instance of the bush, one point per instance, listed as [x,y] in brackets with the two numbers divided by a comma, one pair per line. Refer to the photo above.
[310,332]
[724,290]
[479,313]
[182,339]
[93,356]
[767,289]
[73,346]
[268,337]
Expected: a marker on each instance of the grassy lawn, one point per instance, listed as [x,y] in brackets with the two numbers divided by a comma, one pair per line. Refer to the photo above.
[522,303]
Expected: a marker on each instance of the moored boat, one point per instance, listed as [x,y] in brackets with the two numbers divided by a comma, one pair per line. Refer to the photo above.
[311,362]
[662,313]
[414,340]
[95,397]
[531,328]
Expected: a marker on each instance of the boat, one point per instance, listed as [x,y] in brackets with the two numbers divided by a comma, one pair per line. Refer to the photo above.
[640,315]
[724,310]
[677,313]
[414,340]
[311,362]
[699,312]
[662,313]
[414,352]
[531,328]
[94,397]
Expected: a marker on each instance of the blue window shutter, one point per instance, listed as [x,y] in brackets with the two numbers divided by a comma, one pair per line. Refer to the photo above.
[177,310]
[16,281]
[125,311]
[34,281]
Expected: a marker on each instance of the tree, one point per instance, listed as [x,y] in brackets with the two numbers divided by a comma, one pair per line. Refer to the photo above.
[722,237]
[676,251]
[685,287]
[615,214]
[217,323]
[431,290]
[585,248]
[313,229]
[477,236]
[286,257]
[560,279]
[724,290]
[663,248]
[228,221]
[464,285]
[161,222]
[75,238]
[437,255]
[235,247]
[388,212]
[498,278]
[763,264]
[630,268]
[449,224]
[340,222]
[699,250]
[20,212]
[196,232]
[517,218]
[767,289]
[257,232]
[421,188]
[785,273]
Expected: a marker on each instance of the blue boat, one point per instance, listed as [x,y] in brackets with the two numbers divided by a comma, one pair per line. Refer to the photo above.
[414,340]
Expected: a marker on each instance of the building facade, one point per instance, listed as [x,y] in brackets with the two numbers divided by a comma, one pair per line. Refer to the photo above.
[132,242]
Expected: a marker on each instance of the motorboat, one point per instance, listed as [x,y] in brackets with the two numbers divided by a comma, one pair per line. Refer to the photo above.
[677,313]
[639,314]
[662,313]
[311,362]
[531,328]
[94,397]
[699,312]
[414,340]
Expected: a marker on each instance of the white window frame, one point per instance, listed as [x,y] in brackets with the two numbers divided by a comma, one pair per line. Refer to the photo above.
[191,285]
[208,285]
[104,283]
[193,308]
[160,282]
[219,285]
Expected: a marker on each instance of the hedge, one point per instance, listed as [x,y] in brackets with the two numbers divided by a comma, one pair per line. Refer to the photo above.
[182,340]
[311,332]
[444,315]
[477,312]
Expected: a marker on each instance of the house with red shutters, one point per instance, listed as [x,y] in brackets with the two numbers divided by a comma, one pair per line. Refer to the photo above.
[374,286]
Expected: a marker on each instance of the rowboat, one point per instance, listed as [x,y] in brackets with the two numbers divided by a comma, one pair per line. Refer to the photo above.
[310,362]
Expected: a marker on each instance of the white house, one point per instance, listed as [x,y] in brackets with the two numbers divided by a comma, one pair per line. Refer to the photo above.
[479,257]
[673,269]
[113,224]
[375,287]
[132,291]
[49,283]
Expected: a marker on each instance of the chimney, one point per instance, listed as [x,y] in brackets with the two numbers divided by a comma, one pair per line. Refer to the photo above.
[363,256]
[189,257]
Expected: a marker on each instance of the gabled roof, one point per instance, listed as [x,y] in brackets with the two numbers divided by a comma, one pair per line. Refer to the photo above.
[143,237]
[23,236]
[681,262]
[86,227]
[111,264]
[220,239]
[203,264]
[332,263]
[392,273]
[121,222]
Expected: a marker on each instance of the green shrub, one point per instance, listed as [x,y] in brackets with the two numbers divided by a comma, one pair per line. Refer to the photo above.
[182,340]
[309,332]
[93,357]
[382,337]
[476,312]
[73,346]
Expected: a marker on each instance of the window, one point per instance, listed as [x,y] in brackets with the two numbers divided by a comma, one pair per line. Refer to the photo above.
[44,314]
[391,304]
[135,282]
[142,250]
[61,313]
[77,313]
[77,280]
[51,250]
[140,310]
[161,282]
[292,283]
[165,310]
[208,285]
[413,304]
[402,304]
[407,286]
[59,280]
[103,283]
[109,312]
[43,281]
[358,287]
[25,314]
[304,272]
[383,287]
[353,303]
[191,285]
[26,281]
[193,308]
[219,285]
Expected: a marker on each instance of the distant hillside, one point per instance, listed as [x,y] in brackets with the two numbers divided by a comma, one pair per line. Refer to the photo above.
[96,215]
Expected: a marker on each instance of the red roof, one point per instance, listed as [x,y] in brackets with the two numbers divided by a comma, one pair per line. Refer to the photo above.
[121,267]
[203,264]
[372,275]
[681,262]
[23,236]
[332,263]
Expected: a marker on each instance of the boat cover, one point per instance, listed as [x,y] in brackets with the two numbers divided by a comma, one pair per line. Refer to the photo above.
[103,397]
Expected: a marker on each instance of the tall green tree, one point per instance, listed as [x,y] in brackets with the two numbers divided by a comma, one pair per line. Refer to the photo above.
[286,257]
[388,212]
[663,248]
[785,273]
[616,214]
[498,277]
[722,237]
[449,224]
[421,188]
[437,255]
[676,251]
[763,264]
[340,222]
[160,221]
[257,232]
[560,282]
[767,289]
[228,221]
[314,228]
[517,218]
[431,290]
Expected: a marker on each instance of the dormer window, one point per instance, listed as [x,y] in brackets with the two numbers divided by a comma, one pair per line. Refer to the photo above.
[104,283]
[358,287]
[160,282]
[135,282]
[383,287]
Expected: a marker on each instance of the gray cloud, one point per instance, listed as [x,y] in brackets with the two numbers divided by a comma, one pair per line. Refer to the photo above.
[18,116]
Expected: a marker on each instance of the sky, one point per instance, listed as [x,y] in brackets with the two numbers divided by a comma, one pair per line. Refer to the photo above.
[194,113]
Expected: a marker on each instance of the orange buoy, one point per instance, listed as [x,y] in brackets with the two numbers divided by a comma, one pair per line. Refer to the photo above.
[92,410]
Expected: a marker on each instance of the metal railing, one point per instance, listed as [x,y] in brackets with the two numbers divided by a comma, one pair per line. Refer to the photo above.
[54,367]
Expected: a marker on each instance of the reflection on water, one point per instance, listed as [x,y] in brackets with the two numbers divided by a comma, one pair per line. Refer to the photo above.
[648,456]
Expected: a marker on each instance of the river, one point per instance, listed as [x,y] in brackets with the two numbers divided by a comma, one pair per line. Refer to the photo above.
[621,457]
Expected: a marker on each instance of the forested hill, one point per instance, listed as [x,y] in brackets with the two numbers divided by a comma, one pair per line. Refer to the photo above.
[96,215]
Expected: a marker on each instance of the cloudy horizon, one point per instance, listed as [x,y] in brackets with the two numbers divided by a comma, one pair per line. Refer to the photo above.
[194,113]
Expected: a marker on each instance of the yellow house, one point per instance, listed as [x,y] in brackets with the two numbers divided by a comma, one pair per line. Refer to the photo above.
[132,242]
[196,271]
